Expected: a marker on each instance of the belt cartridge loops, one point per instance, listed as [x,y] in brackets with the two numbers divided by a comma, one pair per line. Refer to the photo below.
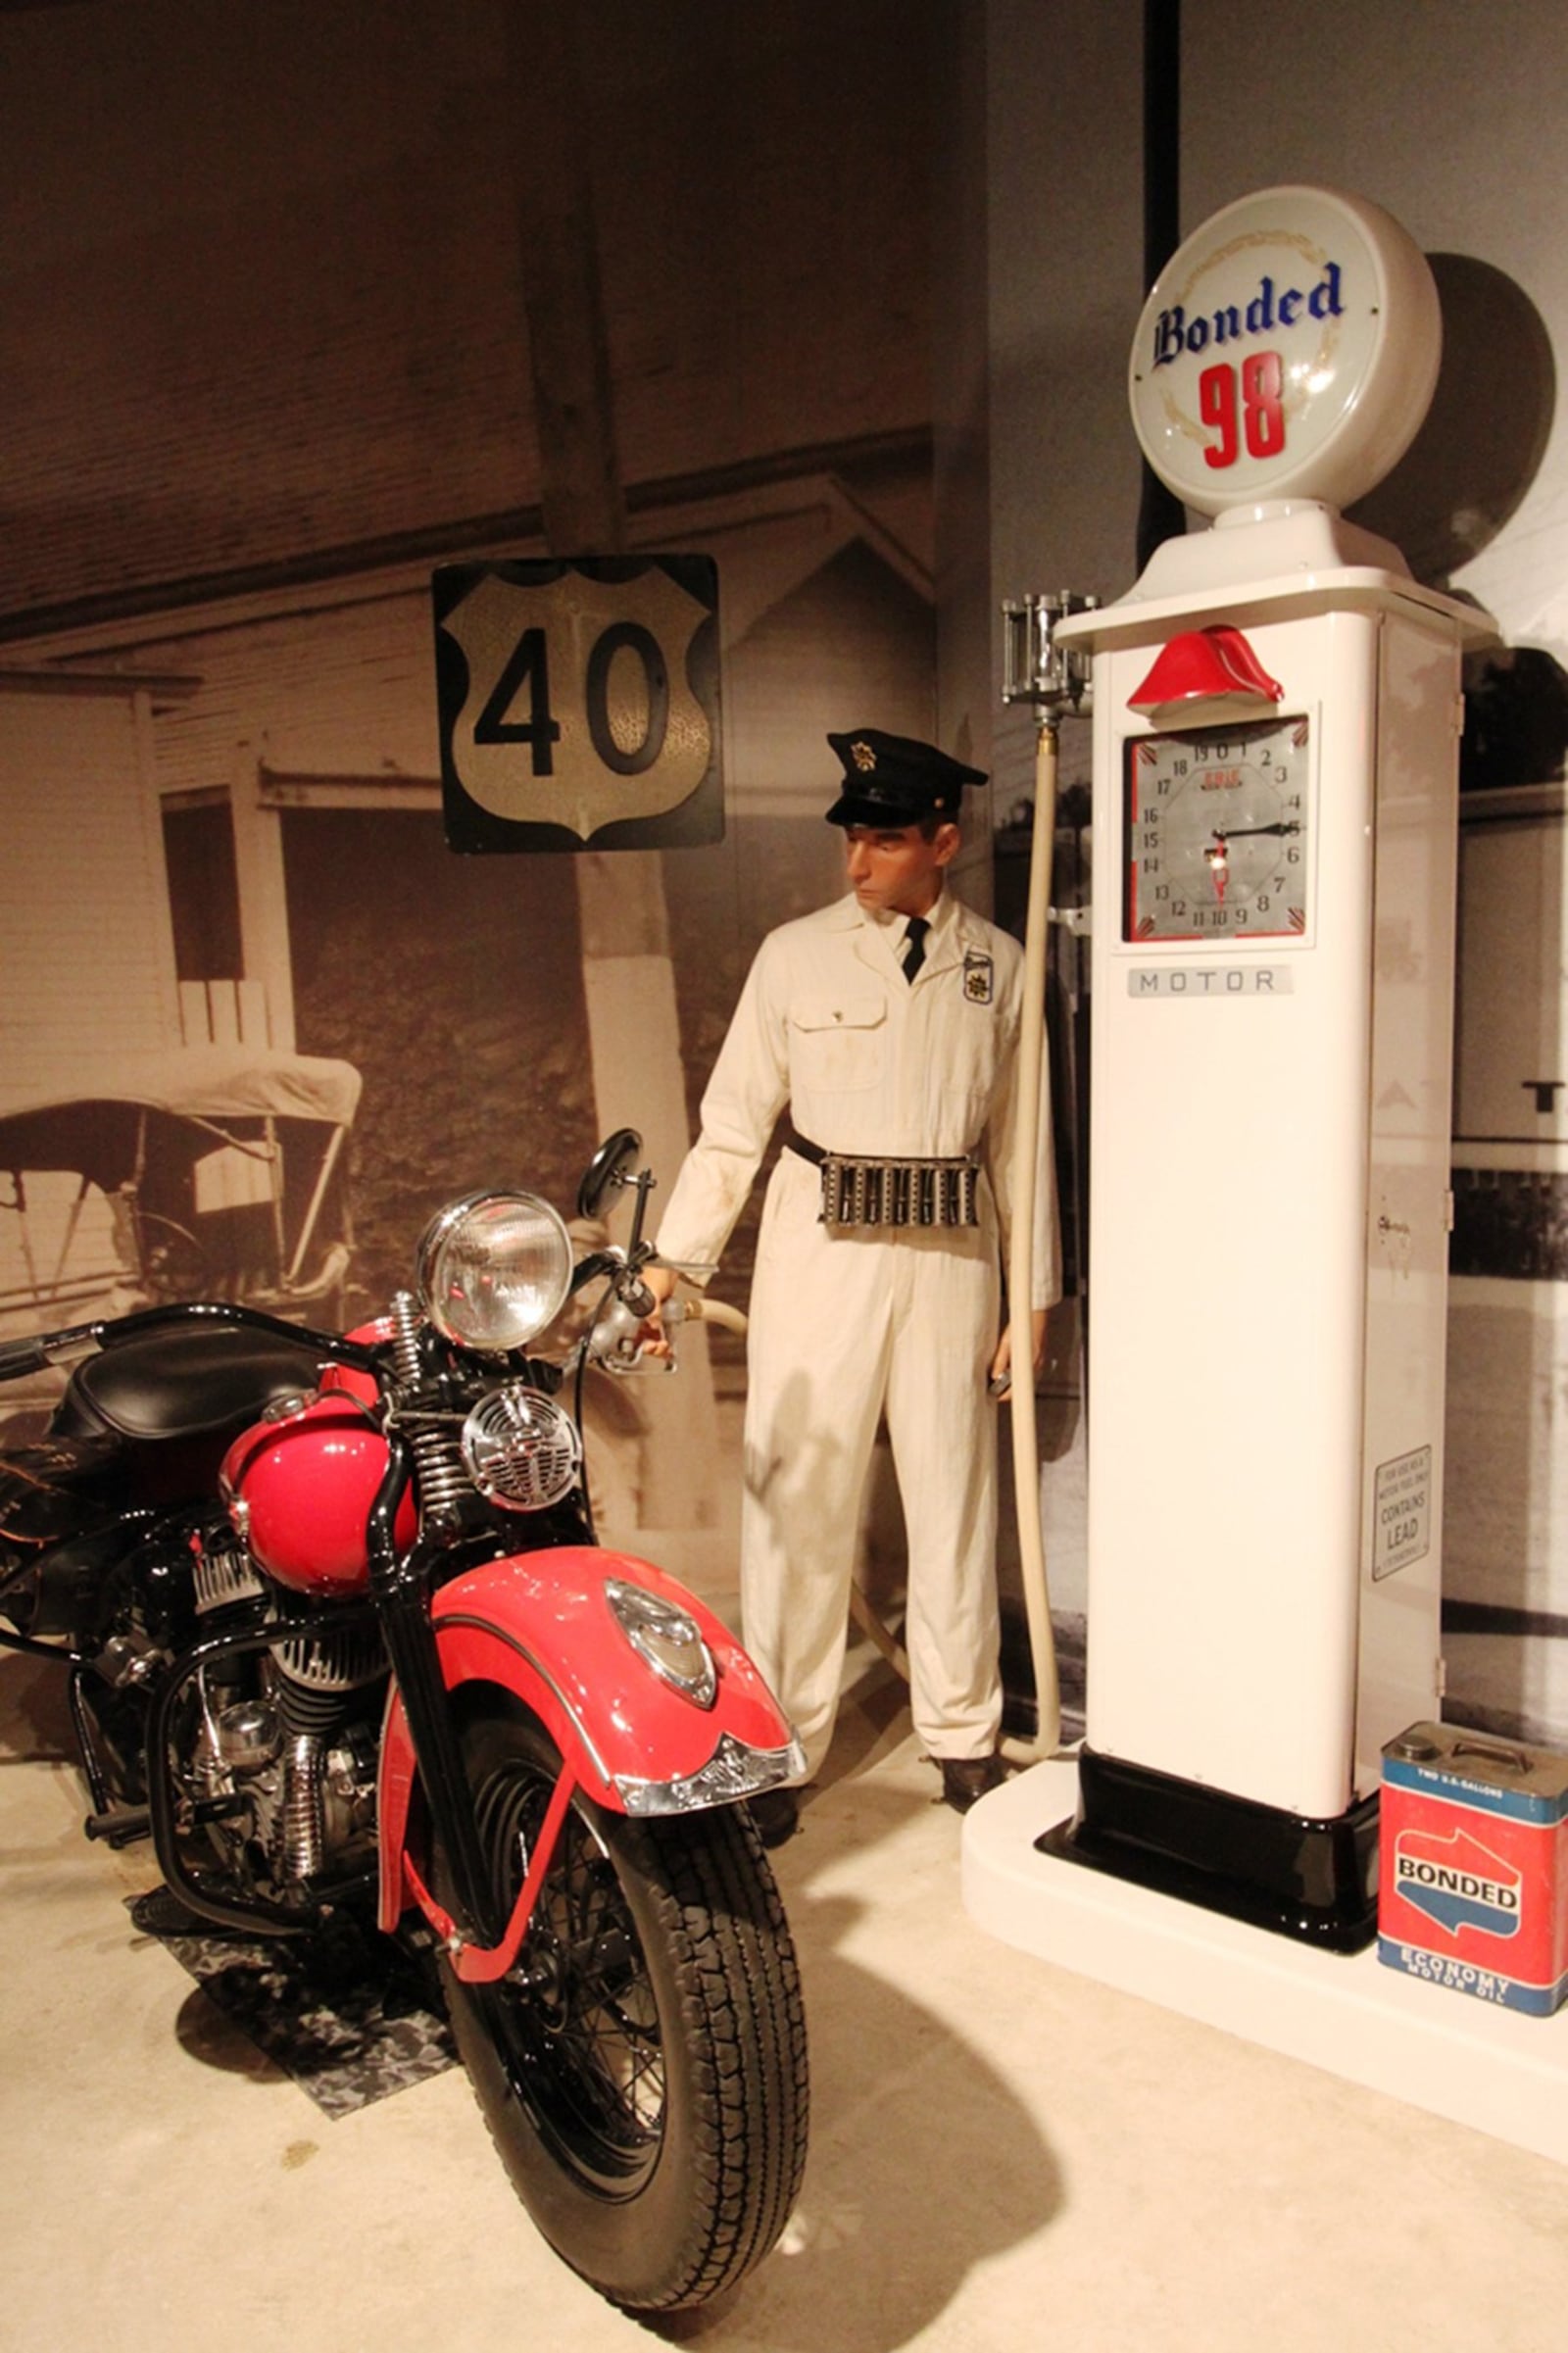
[862,1192]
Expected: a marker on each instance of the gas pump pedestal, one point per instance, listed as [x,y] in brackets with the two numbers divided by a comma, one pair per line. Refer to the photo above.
[1277,711]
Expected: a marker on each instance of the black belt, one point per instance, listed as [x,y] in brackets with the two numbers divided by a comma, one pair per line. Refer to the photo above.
[876,1190]
[816,1154]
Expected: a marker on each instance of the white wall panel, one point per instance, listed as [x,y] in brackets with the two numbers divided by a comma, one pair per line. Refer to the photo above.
[86,956]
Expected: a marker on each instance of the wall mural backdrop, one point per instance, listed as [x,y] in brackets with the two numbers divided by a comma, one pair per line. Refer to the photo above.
[261,380]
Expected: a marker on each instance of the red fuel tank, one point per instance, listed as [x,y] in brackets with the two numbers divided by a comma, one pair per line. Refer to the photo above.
[299,1490]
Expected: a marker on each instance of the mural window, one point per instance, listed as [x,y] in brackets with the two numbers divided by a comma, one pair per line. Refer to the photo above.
[203,886]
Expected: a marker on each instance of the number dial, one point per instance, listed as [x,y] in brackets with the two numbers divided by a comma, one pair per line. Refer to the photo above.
[1216,830]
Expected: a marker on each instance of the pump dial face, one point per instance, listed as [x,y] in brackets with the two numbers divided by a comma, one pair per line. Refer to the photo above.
[1216,822]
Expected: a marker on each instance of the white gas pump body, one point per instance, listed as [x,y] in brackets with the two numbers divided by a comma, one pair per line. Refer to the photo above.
[1270,1208]
[1277,715]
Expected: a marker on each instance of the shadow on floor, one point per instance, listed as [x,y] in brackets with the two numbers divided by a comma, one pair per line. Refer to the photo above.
[924,2163]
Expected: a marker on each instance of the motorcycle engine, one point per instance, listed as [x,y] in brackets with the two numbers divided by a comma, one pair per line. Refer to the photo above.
[290,1732]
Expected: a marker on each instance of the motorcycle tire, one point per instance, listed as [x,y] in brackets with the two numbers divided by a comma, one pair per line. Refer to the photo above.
[642,2071]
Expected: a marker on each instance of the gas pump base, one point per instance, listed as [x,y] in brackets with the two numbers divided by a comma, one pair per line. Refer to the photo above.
[1316,1881]
[1480,2064]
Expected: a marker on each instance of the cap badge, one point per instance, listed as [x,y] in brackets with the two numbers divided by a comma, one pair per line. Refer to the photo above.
[863,756]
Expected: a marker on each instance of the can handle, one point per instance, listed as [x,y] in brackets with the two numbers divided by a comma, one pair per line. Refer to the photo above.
[1514,1759]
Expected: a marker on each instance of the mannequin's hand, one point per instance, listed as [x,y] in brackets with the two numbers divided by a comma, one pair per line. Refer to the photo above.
[1002,1362]
[651,1338]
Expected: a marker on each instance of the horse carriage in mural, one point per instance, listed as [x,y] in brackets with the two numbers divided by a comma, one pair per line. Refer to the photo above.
[210,1172]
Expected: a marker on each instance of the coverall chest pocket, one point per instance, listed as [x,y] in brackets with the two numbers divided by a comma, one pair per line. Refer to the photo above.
[838,1045]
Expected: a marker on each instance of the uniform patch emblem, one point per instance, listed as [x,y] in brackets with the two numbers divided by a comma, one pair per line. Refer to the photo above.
[977,978]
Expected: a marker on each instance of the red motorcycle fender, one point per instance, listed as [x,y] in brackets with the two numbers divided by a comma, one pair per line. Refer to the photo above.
[539,1626]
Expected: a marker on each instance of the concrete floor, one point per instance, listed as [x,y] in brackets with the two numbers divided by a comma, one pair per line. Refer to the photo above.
[1003,2154]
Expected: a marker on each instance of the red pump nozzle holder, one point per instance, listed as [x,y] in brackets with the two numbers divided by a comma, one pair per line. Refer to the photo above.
[1203,676]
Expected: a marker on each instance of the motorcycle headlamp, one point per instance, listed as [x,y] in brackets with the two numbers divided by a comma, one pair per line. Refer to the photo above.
[666,1638]
[492,1270]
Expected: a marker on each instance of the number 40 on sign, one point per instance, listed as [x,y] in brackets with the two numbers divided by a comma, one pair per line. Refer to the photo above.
[578,703]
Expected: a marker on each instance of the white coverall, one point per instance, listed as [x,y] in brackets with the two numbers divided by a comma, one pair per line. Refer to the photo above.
[847,1323]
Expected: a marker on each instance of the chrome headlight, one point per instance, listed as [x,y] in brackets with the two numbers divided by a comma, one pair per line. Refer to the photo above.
[521,1450]
[666,1638]
[494,1269]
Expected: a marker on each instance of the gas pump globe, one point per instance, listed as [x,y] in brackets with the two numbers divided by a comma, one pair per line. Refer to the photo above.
[1277,711]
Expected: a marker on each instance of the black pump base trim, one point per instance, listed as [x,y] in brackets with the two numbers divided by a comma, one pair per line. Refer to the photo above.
[1314,1881]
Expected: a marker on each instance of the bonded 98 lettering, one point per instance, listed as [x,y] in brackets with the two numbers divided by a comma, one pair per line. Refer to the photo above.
[1255,421]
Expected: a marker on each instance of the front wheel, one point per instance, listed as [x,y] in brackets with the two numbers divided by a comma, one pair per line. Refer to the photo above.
[643,2069]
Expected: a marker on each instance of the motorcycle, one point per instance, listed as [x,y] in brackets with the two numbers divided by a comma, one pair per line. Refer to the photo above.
[340,1642]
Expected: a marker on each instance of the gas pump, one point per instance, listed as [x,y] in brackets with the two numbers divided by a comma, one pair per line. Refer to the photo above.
[1277,710]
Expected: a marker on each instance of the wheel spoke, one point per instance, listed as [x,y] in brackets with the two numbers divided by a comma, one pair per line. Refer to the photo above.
[582,2024]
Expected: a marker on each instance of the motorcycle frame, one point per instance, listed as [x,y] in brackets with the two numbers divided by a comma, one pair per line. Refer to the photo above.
[401,1585]
[399,1600]
[430,1660]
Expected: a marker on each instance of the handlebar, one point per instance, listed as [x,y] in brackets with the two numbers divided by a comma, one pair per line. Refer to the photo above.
[45,1349]
[19,1356]
[37,1352]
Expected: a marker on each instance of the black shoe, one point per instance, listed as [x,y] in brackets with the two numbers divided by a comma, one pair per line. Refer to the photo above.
[776,1813]
[966,1777]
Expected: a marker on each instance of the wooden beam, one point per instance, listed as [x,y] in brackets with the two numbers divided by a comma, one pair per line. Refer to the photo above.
[580,490]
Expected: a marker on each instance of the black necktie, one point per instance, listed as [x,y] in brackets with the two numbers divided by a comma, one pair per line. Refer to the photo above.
[913,956]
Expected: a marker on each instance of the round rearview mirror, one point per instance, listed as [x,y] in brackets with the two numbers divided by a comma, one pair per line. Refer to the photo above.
[612,1160]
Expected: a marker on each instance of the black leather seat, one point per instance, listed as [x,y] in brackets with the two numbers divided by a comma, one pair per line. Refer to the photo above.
[182,1383]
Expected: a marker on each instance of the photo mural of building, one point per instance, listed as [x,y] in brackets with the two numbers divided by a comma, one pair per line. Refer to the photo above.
[272,345]
[269,347]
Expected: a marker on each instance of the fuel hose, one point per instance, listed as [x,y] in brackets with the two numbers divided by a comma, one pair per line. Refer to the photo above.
[1021,1255]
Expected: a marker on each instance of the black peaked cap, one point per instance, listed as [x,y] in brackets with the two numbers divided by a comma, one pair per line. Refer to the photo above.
[895,780]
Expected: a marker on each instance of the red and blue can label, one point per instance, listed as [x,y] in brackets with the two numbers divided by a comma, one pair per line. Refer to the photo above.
[1473,1870]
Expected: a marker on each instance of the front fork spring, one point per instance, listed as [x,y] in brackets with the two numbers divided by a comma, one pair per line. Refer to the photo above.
[405,1338]
[438,1467]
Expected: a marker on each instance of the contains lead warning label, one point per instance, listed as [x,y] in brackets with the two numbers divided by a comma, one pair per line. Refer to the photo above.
[1402,1512]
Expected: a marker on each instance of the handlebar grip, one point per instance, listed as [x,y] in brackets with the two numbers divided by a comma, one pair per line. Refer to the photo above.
[638,1298]
[19,1356]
